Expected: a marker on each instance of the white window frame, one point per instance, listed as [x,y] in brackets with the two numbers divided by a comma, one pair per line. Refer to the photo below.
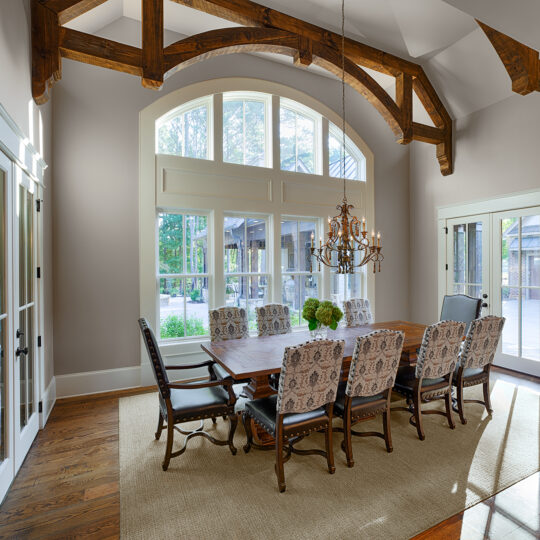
[350,148]
[267,100]
[205,101]
[183,276]
[186,185]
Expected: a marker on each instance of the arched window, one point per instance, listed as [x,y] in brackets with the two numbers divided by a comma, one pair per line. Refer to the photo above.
[235,186]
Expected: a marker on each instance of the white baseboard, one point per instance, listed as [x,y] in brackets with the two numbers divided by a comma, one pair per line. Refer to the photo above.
[93,382]
[48,399]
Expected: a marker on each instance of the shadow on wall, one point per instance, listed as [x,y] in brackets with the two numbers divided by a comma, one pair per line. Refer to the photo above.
[10,33]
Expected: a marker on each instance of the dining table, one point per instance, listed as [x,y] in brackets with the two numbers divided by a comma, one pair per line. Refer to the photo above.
[255,358]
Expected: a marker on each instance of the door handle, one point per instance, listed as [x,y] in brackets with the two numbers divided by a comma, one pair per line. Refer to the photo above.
[20,351]
[484,295]
[19,333]
[484,304]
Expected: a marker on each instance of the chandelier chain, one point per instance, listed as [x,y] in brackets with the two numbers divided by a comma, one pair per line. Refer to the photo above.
[343,94]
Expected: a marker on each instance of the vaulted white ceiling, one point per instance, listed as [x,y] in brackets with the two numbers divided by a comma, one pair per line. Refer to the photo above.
[441,35]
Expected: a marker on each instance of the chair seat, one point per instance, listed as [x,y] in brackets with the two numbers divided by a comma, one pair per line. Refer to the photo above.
[220,371]
[263,411]
[471,377]
[200,402]
[357,403]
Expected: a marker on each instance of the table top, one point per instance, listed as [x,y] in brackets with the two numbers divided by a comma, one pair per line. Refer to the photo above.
[257,356]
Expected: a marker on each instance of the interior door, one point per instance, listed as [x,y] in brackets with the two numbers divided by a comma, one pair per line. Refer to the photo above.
[7,468]
[468,258]
[516,287]
[26,409]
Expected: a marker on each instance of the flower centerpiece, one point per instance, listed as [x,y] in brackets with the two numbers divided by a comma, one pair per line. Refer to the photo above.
[319,314]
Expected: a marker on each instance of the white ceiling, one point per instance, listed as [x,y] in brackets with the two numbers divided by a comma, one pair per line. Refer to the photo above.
[441,35]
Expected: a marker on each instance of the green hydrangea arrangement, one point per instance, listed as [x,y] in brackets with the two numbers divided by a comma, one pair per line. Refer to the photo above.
[321,313]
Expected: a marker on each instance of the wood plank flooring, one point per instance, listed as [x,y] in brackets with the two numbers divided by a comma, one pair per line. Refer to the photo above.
[68,486]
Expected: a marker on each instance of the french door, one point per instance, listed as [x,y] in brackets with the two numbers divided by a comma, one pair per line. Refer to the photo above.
[516,287]
[19,417]
[468,255]
[496,256]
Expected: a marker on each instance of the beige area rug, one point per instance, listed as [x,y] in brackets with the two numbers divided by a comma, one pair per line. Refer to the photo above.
[208,493]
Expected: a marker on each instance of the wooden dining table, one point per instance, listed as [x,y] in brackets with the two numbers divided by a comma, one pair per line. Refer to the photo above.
[256,358]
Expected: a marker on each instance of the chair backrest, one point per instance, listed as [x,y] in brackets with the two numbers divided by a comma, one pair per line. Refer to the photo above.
[440,347]
[374,363]
[228,323]
[309,375]
[273,319]
[357,312]
[481,342]
[460,307]
[158,368]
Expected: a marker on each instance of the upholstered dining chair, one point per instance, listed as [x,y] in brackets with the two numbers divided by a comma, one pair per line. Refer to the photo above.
[273,319]
[460,307]
[475,360]
[357,312]
[227,323]
[186,402]
[304,402]
[372,373]
[437,360]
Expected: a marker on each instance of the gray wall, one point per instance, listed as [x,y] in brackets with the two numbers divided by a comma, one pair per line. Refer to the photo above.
[497,152]
[96,206]
[15,96]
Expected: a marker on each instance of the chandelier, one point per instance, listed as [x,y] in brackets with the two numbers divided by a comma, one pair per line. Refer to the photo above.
[347,246]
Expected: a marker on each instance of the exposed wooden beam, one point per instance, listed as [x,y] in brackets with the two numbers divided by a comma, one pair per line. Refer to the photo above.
[250,13]
[404,93]
[68,10]
[304,55]
[45,55]
[521,62]
[100,51]
[427,134]
[152,43]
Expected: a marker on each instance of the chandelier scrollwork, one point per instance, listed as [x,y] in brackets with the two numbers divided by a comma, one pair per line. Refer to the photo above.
[347,246]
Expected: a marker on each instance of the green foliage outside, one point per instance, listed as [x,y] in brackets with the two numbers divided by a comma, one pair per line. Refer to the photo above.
[321,313]
[172,326]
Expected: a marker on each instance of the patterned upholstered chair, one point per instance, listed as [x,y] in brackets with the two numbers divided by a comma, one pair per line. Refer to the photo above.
[460,307]
[304,402]
[227,323]
[357,312]
[186,402]
[372,373]
[475,360]
[273,319]
[437,360]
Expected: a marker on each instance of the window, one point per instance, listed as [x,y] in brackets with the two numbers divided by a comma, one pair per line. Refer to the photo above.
[185,131]
[183,275]
[346,286]
[244,129]
[246,265]
[297,138]
[297,282]
[355,168]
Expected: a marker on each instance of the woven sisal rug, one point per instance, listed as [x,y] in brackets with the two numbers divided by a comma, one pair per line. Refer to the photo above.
[208,493]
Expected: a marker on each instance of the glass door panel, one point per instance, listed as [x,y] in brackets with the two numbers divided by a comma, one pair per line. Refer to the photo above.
[467,251]
[517,287]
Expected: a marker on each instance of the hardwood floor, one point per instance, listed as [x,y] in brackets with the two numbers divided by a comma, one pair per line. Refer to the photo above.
[68,486]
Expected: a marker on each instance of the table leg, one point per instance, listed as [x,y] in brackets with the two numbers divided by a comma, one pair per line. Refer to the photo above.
[258,387]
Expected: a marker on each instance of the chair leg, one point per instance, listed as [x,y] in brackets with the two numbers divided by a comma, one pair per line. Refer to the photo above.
[347,439]
[280,473]
[168,450]
[418,416]
[330,448]
[246,420]
[487,399]
[448,404]
[233,419]
[387,431]
[159,427]
[214,421]
[459,396]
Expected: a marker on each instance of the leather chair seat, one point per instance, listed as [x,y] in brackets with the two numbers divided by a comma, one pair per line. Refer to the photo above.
[221,372]
[357,403]
[263,411]
[199,402]
[471,372]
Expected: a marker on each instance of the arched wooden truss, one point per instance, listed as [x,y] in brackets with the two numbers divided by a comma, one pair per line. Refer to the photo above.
[266,30]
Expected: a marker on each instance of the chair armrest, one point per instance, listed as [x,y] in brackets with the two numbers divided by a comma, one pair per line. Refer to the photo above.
[206,363]
[198,384]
